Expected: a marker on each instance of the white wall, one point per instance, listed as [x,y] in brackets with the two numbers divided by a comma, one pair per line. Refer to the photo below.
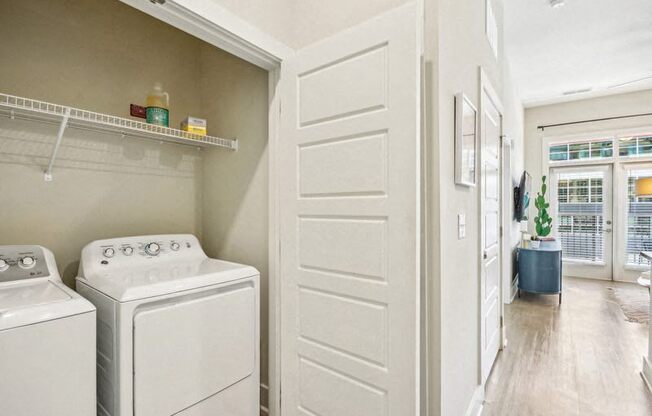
[462,49]
[514,129]
[454,58]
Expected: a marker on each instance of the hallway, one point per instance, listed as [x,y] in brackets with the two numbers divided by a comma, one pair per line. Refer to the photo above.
[582,358]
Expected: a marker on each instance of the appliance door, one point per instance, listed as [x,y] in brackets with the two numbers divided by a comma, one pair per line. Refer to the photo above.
[48,368]
[187,349]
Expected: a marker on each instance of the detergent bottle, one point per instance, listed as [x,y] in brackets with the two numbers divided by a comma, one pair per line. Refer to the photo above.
[158,102]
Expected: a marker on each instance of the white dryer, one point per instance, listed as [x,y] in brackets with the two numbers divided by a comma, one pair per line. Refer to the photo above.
[177,332]
[47,338]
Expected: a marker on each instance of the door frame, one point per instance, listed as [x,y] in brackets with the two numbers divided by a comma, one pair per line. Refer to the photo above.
[507,211]
[487,87]
[223,29]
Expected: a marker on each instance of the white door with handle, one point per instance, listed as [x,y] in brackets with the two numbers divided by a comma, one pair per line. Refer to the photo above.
[349,155]
[490,281]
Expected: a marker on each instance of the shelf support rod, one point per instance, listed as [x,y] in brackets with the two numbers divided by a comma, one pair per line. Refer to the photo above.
[57,144]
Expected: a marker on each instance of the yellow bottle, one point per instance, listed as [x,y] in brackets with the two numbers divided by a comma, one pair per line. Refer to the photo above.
[158,102]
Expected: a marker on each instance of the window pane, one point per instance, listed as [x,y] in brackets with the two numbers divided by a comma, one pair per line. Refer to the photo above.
[601,149]
[579,183]
[579,221]
[558,156]
[644,145]
[559,152]
[579,151]
[598,149]
[639,220]
[627,146]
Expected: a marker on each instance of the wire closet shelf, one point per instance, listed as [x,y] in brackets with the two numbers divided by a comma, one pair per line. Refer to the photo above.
[44,111]
[25,108]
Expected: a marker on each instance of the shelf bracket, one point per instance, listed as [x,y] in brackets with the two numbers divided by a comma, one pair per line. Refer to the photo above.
[57,144]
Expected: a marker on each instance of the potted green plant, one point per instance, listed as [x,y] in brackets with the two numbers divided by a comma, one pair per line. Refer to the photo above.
[543,220]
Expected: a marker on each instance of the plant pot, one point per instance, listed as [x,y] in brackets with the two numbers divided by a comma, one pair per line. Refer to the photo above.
[535,244]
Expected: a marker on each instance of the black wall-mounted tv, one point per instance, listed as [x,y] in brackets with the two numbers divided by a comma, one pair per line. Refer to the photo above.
[522,197]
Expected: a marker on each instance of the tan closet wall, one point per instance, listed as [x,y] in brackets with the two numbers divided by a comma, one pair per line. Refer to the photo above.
[235,185]
[102,56]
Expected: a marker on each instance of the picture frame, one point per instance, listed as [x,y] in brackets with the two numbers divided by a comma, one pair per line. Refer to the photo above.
[466,139]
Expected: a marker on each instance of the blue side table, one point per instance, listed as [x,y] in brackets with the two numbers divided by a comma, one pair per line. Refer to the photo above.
[539,270]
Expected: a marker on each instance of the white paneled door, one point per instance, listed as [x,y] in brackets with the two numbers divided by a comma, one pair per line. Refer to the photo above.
[490,282]
[349,151]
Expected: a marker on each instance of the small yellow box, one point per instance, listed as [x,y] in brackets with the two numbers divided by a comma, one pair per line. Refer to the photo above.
[194,125]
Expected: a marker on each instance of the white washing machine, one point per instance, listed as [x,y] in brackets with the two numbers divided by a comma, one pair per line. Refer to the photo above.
[177,332]
[47,338]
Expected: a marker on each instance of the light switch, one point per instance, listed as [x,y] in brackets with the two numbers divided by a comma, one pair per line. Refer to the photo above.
[461,226]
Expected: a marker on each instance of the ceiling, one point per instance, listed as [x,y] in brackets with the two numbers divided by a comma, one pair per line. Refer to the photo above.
[601,45]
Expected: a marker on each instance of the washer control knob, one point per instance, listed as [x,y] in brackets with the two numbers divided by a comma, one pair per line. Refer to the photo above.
[3,265]
[128,250]
[109,252]
[152,249]
[27,262]
[175,246]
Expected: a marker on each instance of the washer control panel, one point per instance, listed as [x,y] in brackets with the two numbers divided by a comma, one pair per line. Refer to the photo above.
[22,262]
[146,252]
[119,250]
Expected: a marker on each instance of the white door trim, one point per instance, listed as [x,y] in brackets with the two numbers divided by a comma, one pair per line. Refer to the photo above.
[274,250]
[221,28]
[216,25]
[507,203]
[486,86]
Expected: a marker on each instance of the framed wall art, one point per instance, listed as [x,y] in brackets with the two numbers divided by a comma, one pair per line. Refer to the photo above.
[466,136]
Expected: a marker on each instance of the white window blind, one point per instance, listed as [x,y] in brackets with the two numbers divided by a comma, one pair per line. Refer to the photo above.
[580,215]
[639,220]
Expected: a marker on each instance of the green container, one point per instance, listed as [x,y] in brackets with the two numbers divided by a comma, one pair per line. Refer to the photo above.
[158,116]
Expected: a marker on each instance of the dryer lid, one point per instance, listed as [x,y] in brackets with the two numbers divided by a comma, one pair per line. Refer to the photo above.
[25,303]
[126,284]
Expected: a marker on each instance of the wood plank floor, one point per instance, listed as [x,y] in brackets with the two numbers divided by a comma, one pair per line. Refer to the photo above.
[582,358]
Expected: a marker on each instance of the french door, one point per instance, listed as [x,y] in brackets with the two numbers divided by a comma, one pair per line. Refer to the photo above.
[634,223]
[581,204]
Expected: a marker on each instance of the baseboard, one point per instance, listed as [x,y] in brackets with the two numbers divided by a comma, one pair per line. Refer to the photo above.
[264,399]
[514,290]
[646,373]
[477,402]
[606,279]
